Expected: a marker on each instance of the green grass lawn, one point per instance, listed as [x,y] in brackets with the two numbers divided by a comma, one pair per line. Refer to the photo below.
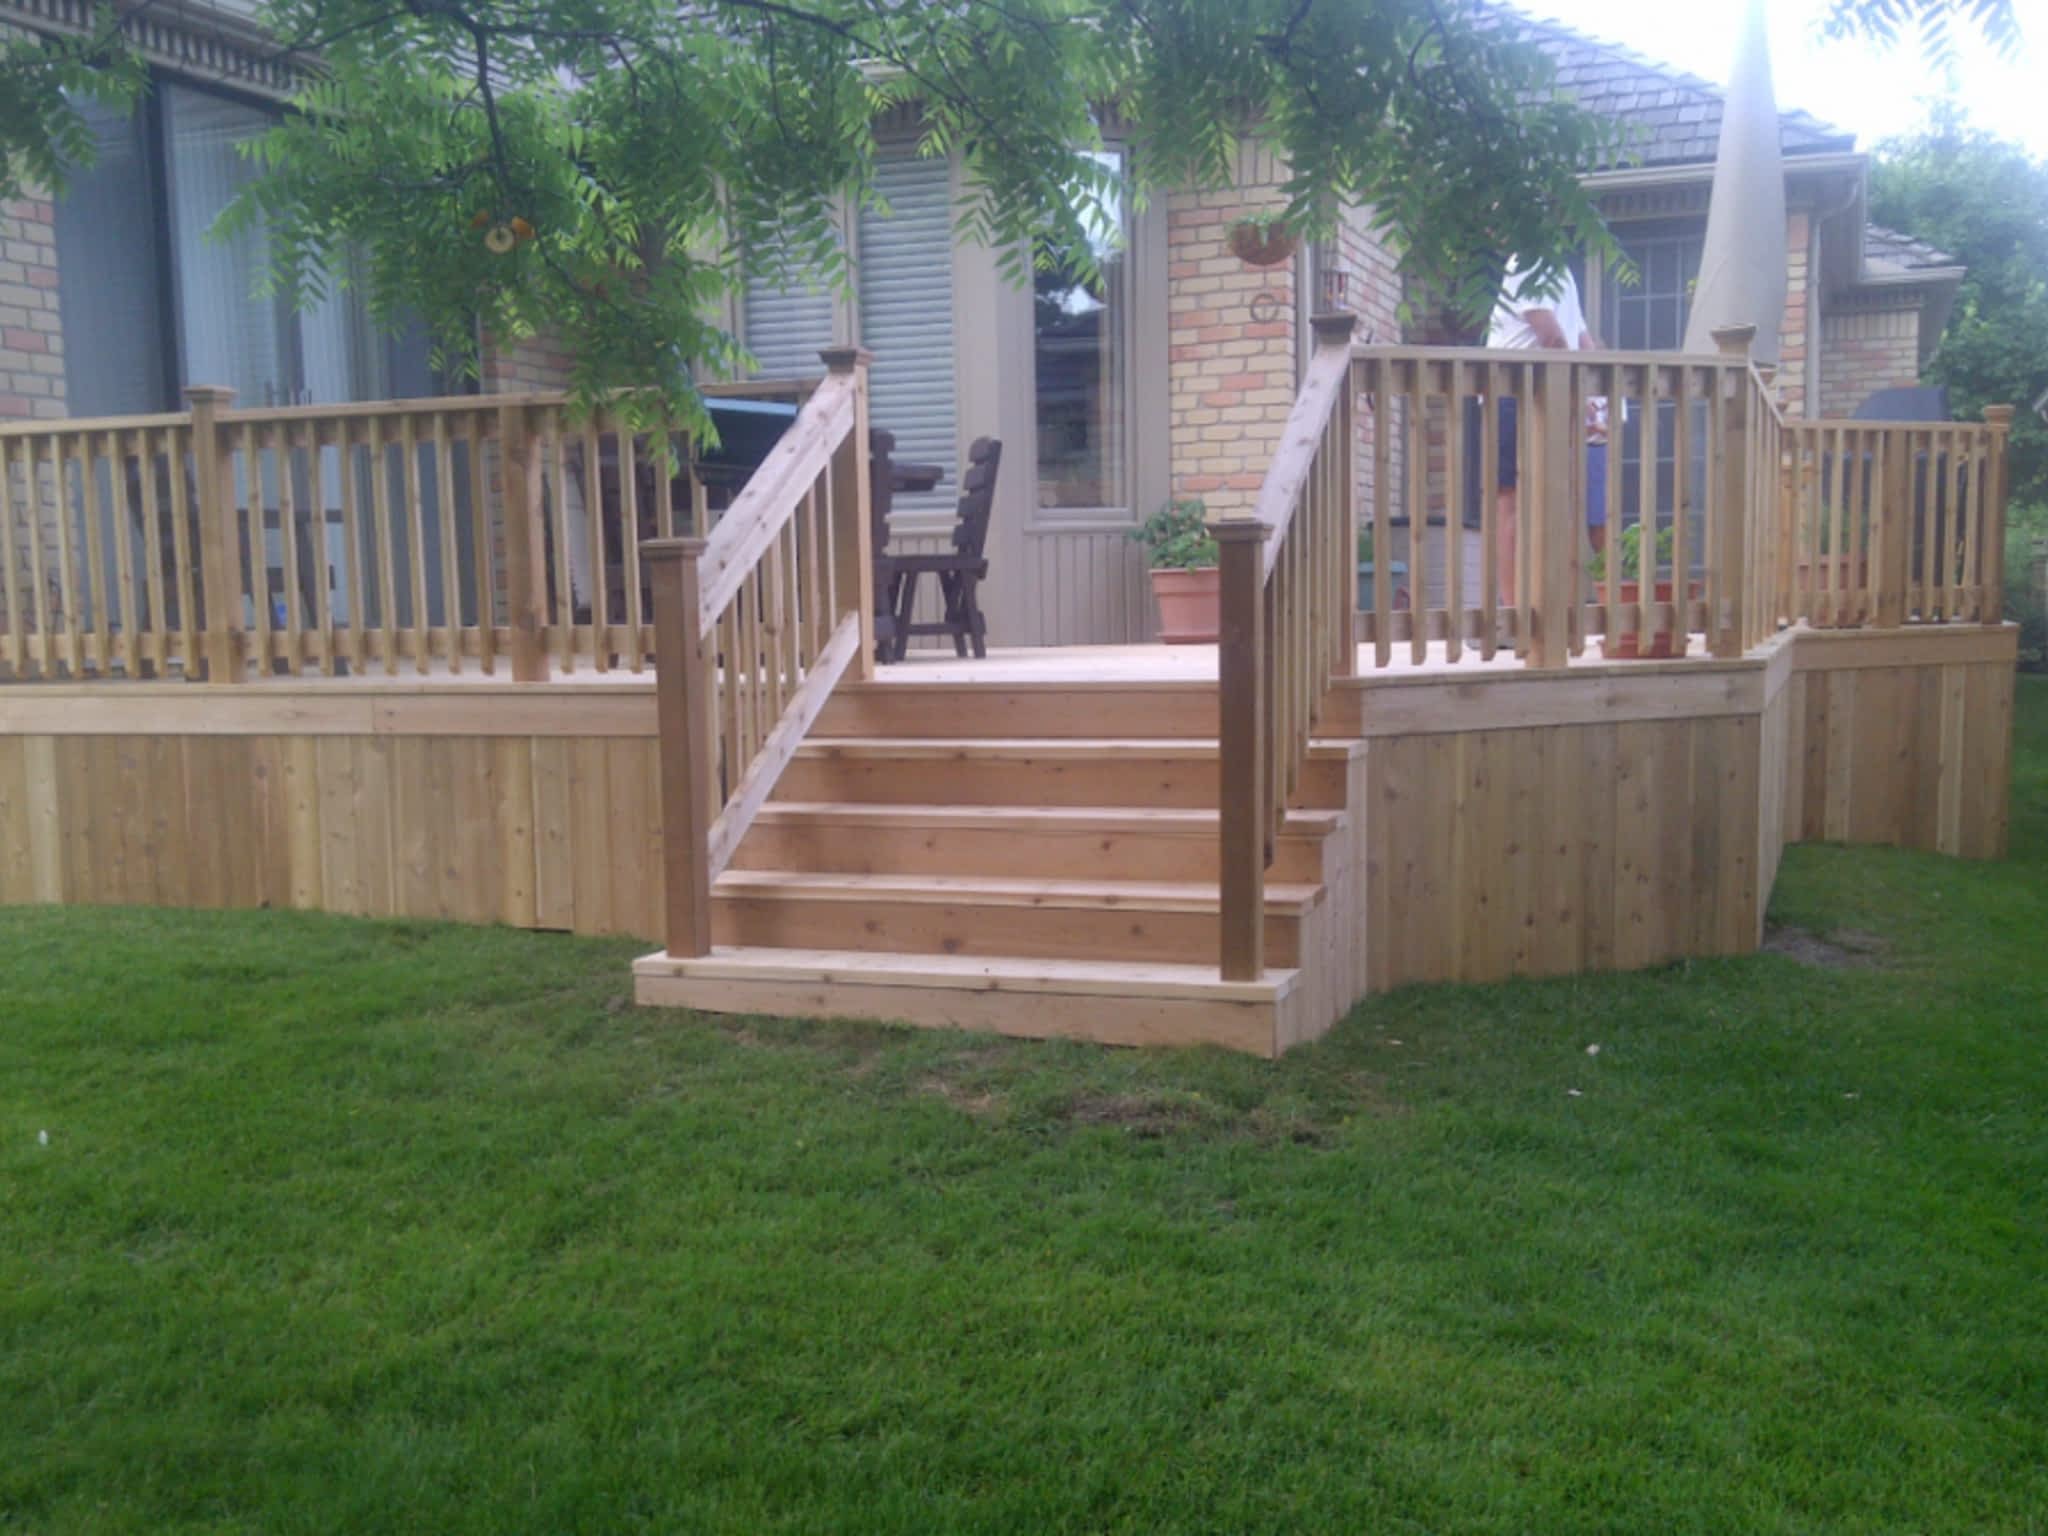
[350,1226]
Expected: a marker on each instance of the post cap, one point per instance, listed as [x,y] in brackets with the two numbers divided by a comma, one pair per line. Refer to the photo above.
[846,359]
[1238,528]
[1333,327]
[208,394]
[1735,340]
[1998,415]
[690,548]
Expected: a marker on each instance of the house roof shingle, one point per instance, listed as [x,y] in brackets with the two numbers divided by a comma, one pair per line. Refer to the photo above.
[1672,117]
[1888,253]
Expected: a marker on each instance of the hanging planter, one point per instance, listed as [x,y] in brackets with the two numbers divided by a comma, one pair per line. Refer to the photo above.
[1260,244]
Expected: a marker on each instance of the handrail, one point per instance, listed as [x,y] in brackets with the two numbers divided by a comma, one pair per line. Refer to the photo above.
[1285,631]
[1327,374]
[755,624]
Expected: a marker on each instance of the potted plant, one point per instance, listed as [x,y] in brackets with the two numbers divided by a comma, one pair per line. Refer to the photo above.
[1630,544]
[1182,557]
[1263,241]
[1397,573]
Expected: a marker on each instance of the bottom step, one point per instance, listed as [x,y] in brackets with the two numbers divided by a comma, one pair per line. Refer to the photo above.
[1101,1001]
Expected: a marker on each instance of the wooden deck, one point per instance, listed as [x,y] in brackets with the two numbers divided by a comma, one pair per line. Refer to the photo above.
[456,711]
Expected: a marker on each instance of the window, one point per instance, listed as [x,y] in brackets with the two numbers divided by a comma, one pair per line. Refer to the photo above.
[1081,352]
[1649,314]
[152,302]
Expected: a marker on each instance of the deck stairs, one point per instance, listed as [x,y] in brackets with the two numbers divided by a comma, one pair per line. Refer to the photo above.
[1029,858]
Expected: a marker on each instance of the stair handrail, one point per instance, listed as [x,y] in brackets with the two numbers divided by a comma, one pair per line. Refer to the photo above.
[754,626]
[1286,629]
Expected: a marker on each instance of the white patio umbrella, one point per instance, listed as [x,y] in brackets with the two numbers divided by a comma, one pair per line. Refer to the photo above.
[1742,267]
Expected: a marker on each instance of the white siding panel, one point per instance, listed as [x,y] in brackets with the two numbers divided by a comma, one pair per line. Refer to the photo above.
[906,319]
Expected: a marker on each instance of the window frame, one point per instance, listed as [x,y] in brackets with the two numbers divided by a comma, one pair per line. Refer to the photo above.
[170,338]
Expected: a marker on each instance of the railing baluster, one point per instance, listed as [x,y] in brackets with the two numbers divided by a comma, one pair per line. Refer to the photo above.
[635,648]
[351,574]
[483,540]
[142,445]
[593,519]
[14,593]
[385,536]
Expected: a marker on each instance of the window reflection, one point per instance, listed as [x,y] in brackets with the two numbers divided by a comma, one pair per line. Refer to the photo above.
[1081,328]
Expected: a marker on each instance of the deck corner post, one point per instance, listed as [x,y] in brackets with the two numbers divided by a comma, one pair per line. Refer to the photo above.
[526,556]
[1242,723]
[684,692]
[220,555]
[852,506]
[1727,632]
[1991,605]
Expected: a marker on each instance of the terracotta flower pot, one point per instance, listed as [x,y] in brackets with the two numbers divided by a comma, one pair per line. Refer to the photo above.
[1624,647]
[1190,605]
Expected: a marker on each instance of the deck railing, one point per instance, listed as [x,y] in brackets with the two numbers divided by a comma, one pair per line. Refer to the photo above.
[1725,519]
[399,535]
[1286,630]
[755,624]
[1896,524]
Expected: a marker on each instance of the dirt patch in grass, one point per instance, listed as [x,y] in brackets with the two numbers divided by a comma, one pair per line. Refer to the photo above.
[1845,949]
[1141,1114]
[969,1099]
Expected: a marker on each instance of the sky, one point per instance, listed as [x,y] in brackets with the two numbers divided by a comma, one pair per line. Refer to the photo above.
[1853,85]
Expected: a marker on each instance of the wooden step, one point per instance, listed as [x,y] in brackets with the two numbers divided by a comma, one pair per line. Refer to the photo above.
[978,915]
[906,706]
[1038,771]
[1111,1003]
[1039,842]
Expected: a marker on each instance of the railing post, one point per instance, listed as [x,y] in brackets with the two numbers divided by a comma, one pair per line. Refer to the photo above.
[1551,518]
[220,553]
[526,551]
[852,537]
[684,702]
[1726,629]
[1991,604]
[1241,726]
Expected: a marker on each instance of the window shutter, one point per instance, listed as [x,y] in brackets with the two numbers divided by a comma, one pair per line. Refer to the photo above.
[787,328]
[906,318]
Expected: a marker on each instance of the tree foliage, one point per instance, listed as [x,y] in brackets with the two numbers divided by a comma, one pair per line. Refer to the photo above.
[604,168]
[1933,24]
[1985,201]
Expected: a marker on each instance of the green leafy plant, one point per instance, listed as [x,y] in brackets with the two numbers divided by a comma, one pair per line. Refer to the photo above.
[1630,542]
[1176,537]
[1365,546]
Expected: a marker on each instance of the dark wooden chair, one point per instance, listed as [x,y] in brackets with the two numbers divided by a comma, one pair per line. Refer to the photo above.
[960,570]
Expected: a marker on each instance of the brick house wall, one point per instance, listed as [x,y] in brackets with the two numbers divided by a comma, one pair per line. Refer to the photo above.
[1801,309]
[31,331]
[1865,349]
[1231,340]
[537,363]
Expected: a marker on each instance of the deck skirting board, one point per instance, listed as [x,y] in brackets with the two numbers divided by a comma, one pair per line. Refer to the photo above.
[1479,826]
